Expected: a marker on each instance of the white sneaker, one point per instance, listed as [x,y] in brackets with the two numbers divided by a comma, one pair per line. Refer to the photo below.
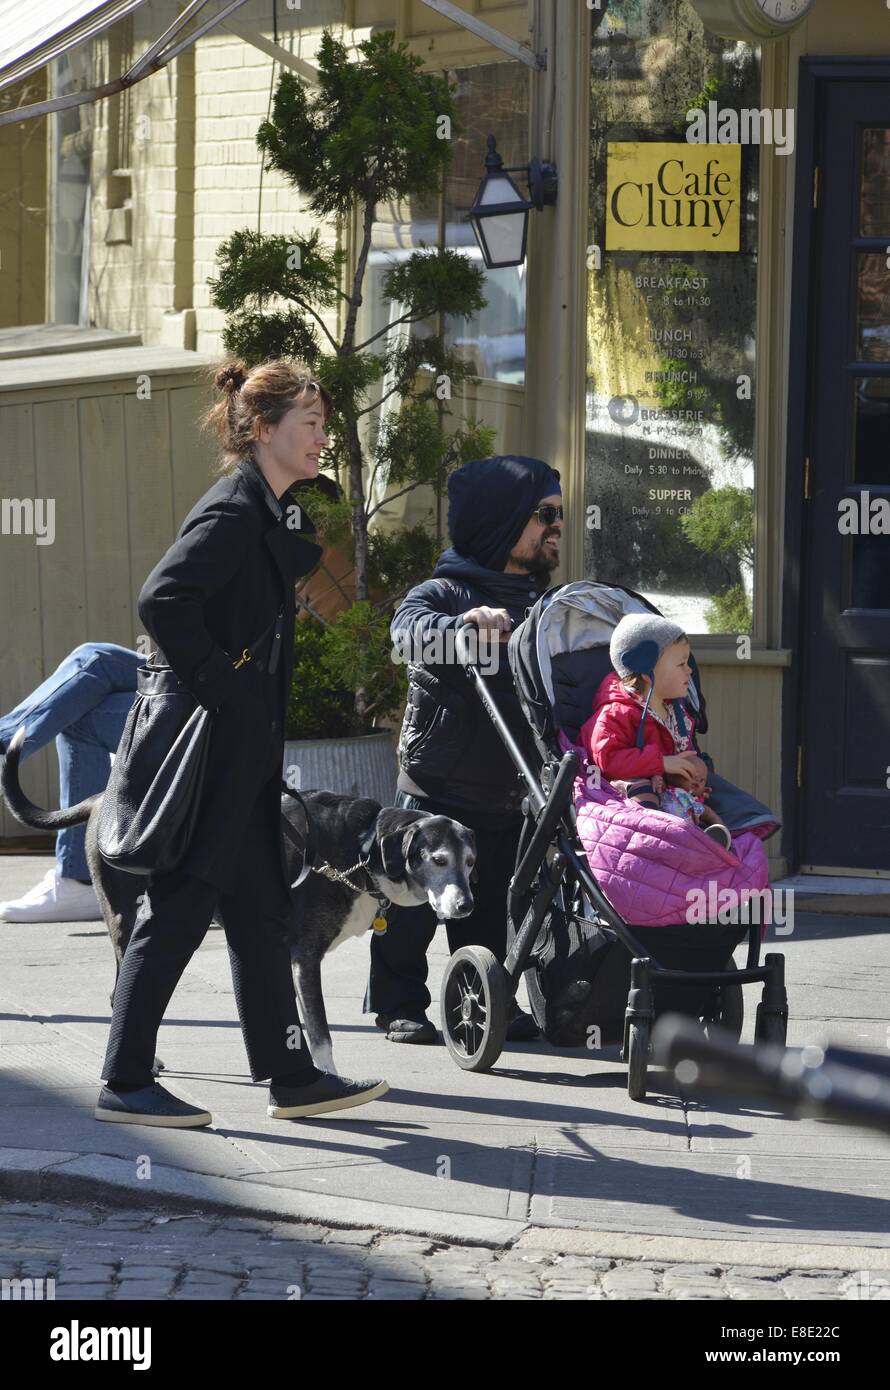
[54,899]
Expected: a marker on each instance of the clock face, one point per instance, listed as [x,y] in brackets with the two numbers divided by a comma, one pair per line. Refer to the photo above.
[752,20]
[784,11]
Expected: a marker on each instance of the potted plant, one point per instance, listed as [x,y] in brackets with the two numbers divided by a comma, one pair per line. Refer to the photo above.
[370,132]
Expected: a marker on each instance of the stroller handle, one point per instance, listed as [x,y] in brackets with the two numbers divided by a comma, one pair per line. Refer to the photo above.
[463,649]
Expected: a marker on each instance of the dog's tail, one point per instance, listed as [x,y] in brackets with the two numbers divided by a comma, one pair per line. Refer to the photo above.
[25,810]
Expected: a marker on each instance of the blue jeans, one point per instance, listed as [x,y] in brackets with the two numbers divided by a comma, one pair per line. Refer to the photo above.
[83,705]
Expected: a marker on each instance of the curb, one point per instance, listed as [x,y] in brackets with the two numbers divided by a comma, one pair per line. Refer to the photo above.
[844,905]
[698,1250]
[57,1175]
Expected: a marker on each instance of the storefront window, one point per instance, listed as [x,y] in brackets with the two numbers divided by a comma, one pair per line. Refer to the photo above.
[671,316]
[490,99]
[70,190]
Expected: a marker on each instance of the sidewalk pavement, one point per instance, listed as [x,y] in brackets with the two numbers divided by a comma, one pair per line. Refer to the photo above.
[545,1153]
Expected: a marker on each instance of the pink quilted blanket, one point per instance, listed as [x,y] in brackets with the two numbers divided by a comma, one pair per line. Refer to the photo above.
[658,870]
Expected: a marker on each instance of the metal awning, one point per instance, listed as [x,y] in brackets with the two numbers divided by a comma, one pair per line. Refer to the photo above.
[41,31]
[48,28]
[34,34]
[483,30]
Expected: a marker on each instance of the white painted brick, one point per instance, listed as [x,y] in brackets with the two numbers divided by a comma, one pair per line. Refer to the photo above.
[210,56]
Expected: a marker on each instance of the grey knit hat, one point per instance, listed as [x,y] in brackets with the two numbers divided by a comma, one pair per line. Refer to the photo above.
[638,641]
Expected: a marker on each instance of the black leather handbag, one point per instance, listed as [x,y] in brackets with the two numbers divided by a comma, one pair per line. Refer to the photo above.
[148,812]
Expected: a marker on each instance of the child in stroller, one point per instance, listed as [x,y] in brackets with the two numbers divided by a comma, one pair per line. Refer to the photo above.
[655,763]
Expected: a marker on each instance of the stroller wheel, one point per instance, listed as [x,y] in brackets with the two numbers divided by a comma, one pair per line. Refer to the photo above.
[475,1000]
[637,1058]
[731,1014]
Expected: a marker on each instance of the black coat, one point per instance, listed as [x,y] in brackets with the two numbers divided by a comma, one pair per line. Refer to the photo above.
[449,749]
[233,565]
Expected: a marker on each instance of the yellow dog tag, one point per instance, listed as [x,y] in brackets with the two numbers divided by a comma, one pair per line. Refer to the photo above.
[379,925]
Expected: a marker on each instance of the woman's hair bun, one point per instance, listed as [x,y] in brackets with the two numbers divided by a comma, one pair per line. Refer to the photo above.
[231,377]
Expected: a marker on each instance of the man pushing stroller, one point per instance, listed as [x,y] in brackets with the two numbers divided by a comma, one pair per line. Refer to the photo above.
[505,521]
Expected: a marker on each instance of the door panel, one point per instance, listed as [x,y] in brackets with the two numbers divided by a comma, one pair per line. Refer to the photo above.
[846,607]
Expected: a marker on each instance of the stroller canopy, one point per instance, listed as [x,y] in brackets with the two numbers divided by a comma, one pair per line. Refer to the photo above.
[560,654]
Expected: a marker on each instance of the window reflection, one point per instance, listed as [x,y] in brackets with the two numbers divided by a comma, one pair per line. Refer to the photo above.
[671,332]
[70,189]
[870,578]
[489,99]
[871,459]
[873,308]
[874,204]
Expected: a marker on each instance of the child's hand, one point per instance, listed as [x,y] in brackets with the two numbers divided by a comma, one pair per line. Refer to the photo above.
[687,768]
[699,787]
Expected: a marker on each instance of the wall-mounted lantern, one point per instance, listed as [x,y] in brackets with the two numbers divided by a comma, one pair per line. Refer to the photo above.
[499,215]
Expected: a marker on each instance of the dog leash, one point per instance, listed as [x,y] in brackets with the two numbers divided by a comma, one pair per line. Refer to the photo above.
[379,923]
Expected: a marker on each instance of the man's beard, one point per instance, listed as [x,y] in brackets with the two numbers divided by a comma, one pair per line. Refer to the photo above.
[540,565]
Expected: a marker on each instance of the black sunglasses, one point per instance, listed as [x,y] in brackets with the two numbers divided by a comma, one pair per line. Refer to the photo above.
[548,514]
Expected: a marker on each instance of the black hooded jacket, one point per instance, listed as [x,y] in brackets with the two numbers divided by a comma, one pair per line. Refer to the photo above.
[449,750]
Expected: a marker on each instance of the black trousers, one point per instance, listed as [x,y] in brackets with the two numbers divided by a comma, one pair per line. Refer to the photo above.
[170,927]
[397,982]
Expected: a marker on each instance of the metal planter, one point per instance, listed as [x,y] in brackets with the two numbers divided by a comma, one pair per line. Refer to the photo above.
[364,766]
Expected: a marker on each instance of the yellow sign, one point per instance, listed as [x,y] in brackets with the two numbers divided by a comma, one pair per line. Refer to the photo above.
[677,197]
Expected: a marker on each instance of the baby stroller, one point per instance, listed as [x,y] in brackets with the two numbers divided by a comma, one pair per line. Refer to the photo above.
[593,979]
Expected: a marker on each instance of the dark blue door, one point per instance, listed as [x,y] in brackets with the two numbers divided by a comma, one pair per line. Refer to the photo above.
[846,608]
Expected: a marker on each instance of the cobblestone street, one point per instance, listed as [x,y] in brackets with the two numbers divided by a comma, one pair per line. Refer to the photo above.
[93,1252]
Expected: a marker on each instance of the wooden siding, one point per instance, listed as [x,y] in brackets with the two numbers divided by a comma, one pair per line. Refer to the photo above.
[744,702]
[123,472]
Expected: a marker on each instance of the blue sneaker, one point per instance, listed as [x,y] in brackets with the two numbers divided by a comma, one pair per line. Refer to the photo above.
[327,1092]
[150,1105]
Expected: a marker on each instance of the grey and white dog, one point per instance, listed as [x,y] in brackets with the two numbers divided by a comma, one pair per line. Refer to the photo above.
[365,856]
[361,857]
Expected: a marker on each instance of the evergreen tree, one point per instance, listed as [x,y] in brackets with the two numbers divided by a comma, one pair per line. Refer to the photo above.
[371,132]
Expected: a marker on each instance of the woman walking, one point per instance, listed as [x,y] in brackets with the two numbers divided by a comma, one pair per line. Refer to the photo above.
[224,590]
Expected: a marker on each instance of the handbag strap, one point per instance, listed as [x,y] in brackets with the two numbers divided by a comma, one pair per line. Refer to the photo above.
[308,847]
[159,658]
[249,652]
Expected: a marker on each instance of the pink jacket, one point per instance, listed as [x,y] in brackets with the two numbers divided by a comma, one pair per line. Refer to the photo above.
[654,867]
